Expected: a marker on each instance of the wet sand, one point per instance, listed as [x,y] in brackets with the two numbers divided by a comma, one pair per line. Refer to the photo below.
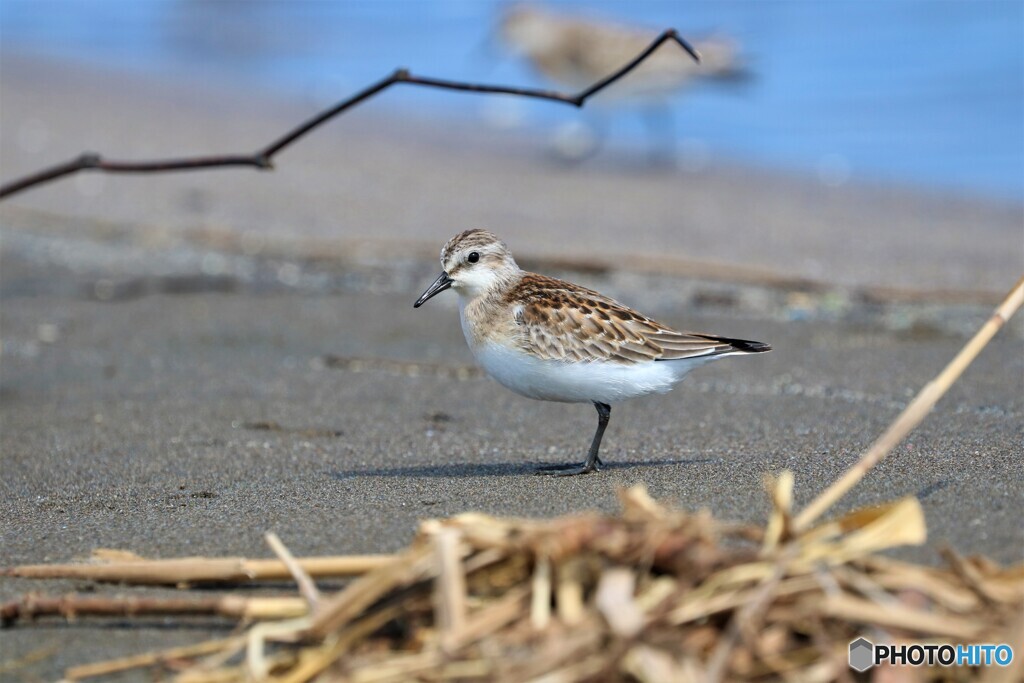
[154,330]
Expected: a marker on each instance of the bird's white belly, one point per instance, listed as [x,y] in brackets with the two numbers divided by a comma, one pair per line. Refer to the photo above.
[577,382]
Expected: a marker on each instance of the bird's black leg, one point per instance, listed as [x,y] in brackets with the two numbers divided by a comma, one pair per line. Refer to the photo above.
[604,412]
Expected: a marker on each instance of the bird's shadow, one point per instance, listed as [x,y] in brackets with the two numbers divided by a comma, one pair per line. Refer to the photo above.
[497,469]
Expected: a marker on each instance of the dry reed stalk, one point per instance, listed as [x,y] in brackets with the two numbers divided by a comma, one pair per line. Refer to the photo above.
[150,659]
[400,667]
[859,611]
[339,643]
[225,675]
[31,657]
[492,618]
[74,605]
[914,413]
[199,570]
[569,593]
[450,593]
[302,579]
[750,611]
[257,663]
[333,613]
[969,575]
[540,604]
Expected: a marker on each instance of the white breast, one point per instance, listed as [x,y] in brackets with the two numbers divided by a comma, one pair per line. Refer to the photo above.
[578,382]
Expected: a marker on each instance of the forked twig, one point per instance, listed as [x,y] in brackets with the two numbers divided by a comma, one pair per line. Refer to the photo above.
[263,159]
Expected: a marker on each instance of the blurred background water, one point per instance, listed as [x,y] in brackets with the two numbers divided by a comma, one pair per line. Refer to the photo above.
[921,92]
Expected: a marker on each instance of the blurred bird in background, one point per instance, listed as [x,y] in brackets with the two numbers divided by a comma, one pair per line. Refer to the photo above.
[576,51]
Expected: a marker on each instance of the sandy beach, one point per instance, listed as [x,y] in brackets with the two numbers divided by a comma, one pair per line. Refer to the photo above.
[379,179]
[190,360]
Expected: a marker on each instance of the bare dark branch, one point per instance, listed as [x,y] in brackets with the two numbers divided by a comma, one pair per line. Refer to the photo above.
[262,159]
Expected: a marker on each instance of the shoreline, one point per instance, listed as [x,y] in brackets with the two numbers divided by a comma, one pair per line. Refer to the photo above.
[413,182]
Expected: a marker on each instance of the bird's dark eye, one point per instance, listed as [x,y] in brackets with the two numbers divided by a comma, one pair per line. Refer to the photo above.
[473,257]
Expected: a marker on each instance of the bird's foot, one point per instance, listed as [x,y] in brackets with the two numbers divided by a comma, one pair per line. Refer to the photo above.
[567,470]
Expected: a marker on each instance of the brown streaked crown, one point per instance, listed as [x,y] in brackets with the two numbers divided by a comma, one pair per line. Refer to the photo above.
[470,238]
[492,251]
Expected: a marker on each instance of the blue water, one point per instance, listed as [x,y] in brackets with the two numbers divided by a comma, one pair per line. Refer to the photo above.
[919,92]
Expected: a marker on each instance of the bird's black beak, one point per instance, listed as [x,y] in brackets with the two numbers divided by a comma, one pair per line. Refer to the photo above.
[442,283]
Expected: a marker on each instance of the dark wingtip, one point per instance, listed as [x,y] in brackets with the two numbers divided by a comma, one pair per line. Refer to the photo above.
[743,345]
[751,346]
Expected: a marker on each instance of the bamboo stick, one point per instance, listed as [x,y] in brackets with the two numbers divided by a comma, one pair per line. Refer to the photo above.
[914,413]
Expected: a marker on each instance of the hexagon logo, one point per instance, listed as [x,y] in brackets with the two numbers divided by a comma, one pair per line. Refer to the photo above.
[862,655]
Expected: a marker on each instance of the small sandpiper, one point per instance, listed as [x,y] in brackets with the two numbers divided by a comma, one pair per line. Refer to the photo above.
[575,51]
[555,341]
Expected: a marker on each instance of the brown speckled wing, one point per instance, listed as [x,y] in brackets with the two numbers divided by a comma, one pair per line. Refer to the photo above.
[561,321]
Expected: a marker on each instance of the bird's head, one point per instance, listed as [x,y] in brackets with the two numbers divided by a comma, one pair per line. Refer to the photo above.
[474,262]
